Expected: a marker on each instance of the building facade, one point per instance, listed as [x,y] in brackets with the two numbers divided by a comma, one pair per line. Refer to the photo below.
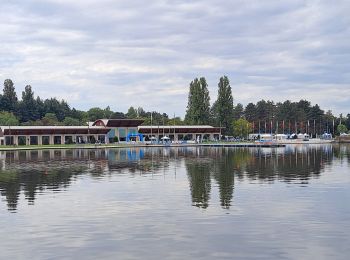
[181,133]
[103,131]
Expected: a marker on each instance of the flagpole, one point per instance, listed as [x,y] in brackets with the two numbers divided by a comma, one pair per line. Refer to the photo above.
[151,128]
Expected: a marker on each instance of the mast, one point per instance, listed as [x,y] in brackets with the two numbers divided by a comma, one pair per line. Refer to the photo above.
[151,127]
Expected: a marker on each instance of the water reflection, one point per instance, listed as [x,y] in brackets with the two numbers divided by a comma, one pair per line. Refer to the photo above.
[36,172]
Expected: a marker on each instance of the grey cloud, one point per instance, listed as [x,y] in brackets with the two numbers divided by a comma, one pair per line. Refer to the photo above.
[127,52]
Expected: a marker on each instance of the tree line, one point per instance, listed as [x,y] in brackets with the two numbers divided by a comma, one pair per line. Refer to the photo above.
[235,119]
[263,116]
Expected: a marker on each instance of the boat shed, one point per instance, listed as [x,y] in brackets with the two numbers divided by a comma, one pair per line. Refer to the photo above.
[181,132]
[47,135]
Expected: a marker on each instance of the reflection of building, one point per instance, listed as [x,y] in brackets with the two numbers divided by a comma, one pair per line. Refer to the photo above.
[103,131]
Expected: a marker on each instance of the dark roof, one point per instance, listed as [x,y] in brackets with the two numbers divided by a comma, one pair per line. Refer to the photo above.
[118,122]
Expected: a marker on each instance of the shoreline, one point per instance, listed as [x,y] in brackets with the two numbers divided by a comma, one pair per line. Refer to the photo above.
[118,146]
[140,145]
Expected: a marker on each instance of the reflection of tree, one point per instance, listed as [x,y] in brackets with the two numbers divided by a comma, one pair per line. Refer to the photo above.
[225,167]
[288,167]
[342,152]
[32,171]
[295,165]
[199,177]
[34,180]
[10,188]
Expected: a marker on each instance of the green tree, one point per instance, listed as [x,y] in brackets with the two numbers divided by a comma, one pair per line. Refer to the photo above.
[71,121]
[9,99]
[347,121]
[265,110]
[250,112]
[132,113]
[50,119]
[238,111]
[198,107]
[241,128]
[60,109]
[96,113]
[223,106]
[107,112]
[82,116]
[8,119]
[342,129]
[28,109]
[118,115]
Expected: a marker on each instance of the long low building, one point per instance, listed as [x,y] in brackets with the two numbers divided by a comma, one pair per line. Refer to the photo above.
[104,131]
[182,132]
[45,135]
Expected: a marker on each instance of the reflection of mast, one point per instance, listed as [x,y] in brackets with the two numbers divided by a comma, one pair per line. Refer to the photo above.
[152,161]
[174,127]
[175,158]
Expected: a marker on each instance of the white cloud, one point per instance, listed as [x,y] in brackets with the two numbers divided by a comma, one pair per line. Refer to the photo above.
[147,53]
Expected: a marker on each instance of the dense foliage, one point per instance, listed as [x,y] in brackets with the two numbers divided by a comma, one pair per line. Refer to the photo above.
[198,108]
[262,116]
[223,110]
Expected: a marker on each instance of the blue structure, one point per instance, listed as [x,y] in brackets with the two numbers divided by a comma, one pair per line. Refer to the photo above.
[134,135]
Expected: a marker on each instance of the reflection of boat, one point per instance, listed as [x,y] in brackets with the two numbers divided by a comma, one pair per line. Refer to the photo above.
[306,141]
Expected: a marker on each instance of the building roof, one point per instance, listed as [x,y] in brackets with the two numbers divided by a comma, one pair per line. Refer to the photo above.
[118,122]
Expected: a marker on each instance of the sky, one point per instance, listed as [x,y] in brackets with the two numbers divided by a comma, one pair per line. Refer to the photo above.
[145,53]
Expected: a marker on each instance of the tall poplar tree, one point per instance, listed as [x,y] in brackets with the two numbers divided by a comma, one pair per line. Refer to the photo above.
[28,108]
[198,108]
[9,99]
[223,106]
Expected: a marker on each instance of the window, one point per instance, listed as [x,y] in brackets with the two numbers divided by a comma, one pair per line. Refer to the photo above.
[68,139]
[22,140]
[33,140]
[45,140]
[132,131]
[57,139]
[8,140]
[122,134]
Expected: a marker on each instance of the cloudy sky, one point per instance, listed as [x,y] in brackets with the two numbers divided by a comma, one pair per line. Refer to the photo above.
[145,53]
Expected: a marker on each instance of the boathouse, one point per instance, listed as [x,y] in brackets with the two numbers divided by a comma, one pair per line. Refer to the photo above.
[104,131]
[181,133]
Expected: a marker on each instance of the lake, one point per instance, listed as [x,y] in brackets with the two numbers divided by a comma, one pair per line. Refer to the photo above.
[176,203]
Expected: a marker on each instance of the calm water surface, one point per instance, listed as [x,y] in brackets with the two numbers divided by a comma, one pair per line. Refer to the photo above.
[169,203]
